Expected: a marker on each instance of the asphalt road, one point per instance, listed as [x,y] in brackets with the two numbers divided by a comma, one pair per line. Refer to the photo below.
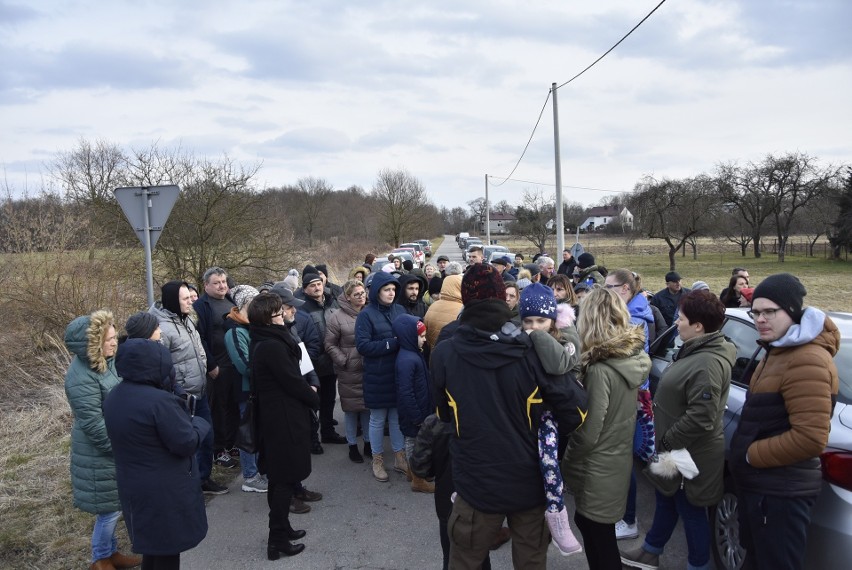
[364,524]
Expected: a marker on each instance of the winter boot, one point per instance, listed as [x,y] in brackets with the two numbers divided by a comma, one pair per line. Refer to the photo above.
[354,455]
[400,464]
[419,485]
[368,451]
[379,468]
[563,539]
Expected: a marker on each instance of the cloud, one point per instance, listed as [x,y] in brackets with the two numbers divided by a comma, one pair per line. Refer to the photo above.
[310,140]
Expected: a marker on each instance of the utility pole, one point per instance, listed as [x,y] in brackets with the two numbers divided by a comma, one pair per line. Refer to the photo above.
[487,215]
[560,222]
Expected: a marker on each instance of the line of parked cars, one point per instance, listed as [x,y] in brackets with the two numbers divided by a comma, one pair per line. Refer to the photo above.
[830,533]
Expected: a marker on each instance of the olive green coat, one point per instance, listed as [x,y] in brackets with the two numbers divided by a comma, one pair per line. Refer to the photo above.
[599,457]
[689,410]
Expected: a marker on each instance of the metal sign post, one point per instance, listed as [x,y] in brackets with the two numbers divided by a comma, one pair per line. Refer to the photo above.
[147,208]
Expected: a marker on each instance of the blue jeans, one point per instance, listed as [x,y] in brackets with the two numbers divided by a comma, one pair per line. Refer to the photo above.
[377,430]
[630,510]
[248,461]
[350,423]
[104,543]
[695,526]
[204,455]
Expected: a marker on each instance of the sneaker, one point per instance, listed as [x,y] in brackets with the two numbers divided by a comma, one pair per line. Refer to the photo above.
[224,459]
[256,484]
[298,507]
[640,558]
[316,448]
[563,539]
[624,531]
[211,487]
[308,496]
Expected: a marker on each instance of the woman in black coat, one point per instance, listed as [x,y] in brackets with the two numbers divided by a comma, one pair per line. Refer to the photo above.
[285,401]
[154,441]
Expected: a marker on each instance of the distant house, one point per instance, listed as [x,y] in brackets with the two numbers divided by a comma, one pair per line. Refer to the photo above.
[499,223]
[601,216]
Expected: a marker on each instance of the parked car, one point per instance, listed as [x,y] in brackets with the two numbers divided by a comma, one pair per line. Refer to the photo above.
[460,237]
[383,259]
[419,254]
[465,242]
[488,251]
[427,246]
[830,533]
[497,254]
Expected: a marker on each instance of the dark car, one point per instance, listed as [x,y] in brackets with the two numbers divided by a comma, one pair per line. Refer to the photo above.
[830,533]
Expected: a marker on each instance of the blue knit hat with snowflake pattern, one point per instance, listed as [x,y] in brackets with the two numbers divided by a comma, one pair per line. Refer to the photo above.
[537,300]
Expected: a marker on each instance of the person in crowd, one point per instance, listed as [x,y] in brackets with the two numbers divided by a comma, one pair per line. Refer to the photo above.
[237,341]
[322,270]
[193,292]
[442,262]
[563,290]
[179,335]
[475,255]
[445,310]
[285,403]
[689,410]
[224,380]
[454,268]
[524,278]
[414,399]
[154,437]
[513,295]
[504,425]
[568,264]
[502,264]
[407,266]
[667,299]
[785,422]
[747,296]
[429,271]
[700,285]
[434,290]
[89,379]
[377,344]
[340,345]
[319,305]
[519,261]
[360,273]
[411,291]
[588,272]
[732,296]
[580,291]
[369,259]
[547,267]
[736,272]
[558,355]
[291,280]
[599,457]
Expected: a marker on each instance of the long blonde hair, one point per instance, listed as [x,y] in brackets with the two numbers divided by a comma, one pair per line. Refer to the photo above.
[603,316]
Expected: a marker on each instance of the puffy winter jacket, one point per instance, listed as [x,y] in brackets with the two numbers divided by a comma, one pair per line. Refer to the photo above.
[348,364]
[414,398]
[445,310]
[184,343]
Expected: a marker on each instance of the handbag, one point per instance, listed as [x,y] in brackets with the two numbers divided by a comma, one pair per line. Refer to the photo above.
[246,437]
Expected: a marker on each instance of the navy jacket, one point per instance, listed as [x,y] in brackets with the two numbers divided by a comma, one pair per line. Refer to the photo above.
[413,395]
[205,328]
[375,341]
[154,443]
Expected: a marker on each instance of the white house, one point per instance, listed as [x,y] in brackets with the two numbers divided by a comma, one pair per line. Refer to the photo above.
[604,215]
[499,222]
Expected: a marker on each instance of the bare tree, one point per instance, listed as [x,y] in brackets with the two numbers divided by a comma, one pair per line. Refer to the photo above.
[841,231]
[749,192]
[532,217]
[477,212]
[90,172]
[401,199]
[313,196]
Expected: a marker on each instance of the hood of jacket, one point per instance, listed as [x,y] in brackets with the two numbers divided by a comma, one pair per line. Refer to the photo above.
[625,354]
[451,288]
[640,310]
[346,306]
[359,269]
[405,329]
[144,361]
[380,280]
[815,327]
[404,280]
[84,338]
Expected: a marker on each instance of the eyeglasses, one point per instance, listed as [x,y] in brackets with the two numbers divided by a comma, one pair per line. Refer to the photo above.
[614,286]
[359,295]
[767,314]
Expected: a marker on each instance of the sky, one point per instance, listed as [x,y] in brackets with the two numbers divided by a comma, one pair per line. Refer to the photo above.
[450,91]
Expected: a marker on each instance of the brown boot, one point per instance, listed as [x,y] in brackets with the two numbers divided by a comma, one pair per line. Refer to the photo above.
[379,468]
[419,485]
[102,564]
[400,464]
[120,560]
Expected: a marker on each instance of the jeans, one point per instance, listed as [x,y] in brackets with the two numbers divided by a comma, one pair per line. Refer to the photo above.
[204,455]
[630,510]
[350,423]
[695,526]
[774,530]
[248,461]
[377,430]
[104,543]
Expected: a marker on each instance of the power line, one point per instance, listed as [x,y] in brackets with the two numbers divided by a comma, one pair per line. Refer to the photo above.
[540,114]
[564,186]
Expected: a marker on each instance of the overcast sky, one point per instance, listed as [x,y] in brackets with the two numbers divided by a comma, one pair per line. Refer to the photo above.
[448,90]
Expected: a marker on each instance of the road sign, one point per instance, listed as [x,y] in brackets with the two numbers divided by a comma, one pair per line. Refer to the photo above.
[157,200]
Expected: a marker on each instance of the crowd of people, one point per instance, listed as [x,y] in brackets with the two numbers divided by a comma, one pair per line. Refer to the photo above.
[503,387]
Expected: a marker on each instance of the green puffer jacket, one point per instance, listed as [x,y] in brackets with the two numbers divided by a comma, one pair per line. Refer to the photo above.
[599,457]
[689,408]
[87,383]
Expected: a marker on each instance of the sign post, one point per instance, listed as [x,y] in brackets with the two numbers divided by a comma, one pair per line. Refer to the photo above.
[147,208]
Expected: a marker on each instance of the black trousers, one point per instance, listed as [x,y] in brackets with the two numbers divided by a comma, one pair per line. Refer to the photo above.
[774,530]
[278,498]
[327,394]
[224,395]
[599,543]
[161,562]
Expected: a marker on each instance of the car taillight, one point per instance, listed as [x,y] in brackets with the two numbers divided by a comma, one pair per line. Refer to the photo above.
[837,468]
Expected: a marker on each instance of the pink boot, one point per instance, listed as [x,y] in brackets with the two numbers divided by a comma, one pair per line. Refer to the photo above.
[563,538]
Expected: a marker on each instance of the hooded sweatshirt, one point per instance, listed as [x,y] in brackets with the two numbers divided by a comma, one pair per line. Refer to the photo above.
[414,398]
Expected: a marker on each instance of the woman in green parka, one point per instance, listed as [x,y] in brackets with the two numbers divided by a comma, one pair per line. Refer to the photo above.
[689,407]
[599,457]
[90,377]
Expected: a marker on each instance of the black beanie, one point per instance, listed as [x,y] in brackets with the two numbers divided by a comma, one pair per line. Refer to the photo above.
[322,268]
[586,260]
[308,278]
[786,291]
[171,296]
[407,264]
[141,325]
[435,285]
[309,269]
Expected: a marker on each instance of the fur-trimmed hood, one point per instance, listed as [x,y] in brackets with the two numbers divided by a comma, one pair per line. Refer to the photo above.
[623,345]
[84,338]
